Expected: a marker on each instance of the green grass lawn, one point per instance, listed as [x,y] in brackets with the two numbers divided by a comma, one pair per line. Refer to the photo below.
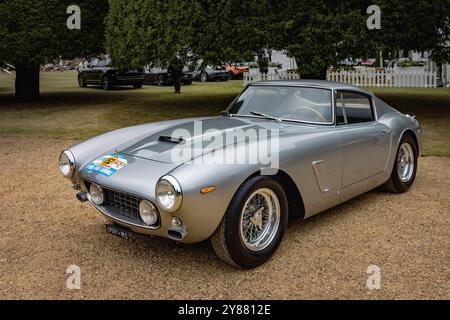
[67,111]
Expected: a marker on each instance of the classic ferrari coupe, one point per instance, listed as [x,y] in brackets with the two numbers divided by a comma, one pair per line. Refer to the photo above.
[326,143]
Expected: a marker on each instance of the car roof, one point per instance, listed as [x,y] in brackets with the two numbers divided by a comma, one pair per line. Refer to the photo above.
[313,83]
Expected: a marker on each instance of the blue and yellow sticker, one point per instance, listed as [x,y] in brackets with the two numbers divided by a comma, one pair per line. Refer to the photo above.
[107,165]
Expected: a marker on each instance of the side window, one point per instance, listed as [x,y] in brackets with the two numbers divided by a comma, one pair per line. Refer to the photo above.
[357,107]
[94,62]
[340,119]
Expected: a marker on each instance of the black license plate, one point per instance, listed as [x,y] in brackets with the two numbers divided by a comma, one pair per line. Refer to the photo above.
[117,231]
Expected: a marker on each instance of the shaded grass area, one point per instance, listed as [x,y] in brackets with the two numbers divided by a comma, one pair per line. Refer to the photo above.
[67,111]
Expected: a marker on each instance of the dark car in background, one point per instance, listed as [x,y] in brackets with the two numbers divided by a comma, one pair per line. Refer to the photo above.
[99,72]
[210,73]
[162,77]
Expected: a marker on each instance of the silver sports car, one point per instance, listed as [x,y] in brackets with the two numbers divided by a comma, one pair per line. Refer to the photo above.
[282,149]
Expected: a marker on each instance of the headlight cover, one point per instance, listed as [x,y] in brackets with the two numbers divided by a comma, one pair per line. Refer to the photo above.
[67,164]
[96,194]
[148,212]
[168,194]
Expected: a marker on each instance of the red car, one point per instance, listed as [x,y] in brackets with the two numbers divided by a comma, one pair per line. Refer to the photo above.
[236,71]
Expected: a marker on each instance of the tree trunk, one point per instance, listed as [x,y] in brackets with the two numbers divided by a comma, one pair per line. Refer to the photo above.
[27,81]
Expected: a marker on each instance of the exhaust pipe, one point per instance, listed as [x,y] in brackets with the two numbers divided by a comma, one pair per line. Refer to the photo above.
[81,196]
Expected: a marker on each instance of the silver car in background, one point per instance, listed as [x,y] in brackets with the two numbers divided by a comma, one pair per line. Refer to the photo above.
[333,142]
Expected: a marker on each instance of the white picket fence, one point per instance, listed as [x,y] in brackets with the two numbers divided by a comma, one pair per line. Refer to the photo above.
[251,77]
[364,78]
[386,78]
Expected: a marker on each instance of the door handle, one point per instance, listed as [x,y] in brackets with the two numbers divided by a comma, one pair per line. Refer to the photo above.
[386,131]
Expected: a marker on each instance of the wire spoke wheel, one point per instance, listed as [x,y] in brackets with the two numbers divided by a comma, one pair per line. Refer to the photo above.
[405,162]
[260,219]
[106,84]
[81,81]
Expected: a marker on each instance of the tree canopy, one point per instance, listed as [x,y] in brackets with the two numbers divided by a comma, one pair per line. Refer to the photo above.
[317,33]
[34,32]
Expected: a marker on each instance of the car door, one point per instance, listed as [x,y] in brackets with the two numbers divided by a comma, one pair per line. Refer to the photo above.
[365,143]
[97,71]
[89,71]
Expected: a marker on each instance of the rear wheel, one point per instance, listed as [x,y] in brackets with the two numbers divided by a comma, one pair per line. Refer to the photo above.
[137,85]
[254,224]
[106,83]
[405,167]
[204,77]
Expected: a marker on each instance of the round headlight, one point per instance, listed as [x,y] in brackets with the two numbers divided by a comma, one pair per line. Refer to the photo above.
[96,194]
[67,164]
[148,212]
[168,194]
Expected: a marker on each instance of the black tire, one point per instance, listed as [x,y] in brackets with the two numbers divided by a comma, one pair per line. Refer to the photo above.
[227,240]
[395,184]
[106,83]
[82,81]
[137,85]
[160,80]
[204,77]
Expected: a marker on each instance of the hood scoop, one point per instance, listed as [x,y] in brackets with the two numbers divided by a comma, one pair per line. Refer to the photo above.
[170,139]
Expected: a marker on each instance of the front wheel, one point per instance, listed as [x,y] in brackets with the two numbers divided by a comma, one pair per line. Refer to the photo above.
[204,77]
[137,85]
[106,83]
[160,80]
[405,167]
[254,224]
[82,81]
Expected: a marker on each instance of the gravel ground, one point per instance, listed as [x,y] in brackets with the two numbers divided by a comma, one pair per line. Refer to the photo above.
[45,230]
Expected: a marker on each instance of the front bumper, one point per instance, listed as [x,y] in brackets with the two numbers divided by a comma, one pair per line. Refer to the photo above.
[131,220]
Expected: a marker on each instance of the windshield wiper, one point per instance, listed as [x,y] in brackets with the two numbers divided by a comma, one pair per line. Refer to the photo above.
[265,116]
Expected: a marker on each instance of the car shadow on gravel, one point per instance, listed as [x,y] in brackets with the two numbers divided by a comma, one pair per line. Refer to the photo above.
[175,256]
[346,208]
[145,249]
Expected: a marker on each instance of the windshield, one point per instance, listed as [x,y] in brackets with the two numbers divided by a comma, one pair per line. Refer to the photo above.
[293,103]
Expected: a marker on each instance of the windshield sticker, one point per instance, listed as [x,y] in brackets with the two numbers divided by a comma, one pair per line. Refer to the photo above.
[107,165]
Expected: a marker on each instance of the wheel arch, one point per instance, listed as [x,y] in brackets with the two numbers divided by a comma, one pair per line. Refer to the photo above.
[413,136]
[295,199]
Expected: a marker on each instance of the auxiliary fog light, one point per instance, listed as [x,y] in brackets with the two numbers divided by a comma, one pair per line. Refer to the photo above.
[96,194]
[148,212]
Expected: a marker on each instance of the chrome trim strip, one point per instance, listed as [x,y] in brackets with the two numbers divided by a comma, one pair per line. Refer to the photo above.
[178,193]
[72,163]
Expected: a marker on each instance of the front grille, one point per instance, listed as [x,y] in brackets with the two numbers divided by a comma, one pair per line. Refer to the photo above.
[123,203]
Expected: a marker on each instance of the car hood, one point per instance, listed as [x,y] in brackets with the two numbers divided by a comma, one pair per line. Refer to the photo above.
[161,145]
